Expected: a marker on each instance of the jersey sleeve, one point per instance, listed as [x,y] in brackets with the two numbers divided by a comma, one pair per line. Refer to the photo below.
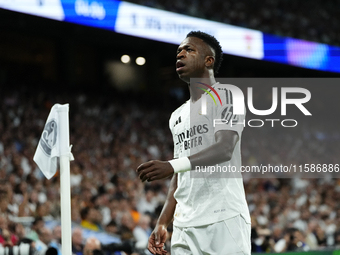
[171,127]
[224,118]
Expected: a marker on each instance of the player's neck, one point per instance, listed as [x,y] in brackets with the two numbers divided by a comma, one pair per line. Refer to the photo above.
[196,90]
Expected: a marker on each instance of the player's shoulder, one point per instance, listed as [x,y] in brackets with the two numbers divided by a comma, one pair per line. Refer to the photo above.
[224,92]
[176,115]
[180,108]
[230,95]
[222,87]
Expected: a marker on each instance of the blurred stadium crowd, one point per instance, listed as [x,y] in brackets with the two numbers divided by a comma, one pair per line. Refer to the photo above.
[312,20]
[112,134]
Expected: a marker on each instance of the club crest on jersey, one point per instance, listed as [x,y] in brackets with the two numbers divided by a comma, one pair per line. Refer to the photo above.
[49,137]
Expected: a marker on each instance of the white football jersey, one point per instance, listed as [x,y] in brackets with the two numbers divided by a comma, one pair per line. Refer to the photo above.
[204,198]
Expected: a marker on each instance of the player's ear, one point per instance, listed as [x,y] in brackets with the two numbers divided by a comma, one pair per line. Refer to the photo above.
[209,61]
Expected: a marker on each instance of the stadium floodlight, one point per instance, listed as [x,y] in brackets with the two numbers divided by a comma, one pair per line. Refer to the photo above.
[125,59]
[140,61]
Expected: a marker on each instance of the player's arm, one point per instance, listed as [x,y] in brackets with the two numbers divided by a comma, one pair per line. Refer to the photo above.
[158,236]
[220,151]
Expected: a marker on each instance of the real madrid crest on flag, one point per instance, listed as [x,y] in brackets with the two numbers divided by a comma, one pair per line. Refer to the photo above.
[49,137]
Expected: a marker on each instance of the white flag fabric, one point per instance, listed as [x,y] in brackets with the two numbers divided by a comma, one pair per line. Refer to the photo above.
[54,141]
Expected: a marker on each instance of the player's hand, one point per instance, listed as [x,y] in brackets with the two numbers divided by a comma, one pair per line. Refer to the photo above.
[154,170]
[157,240]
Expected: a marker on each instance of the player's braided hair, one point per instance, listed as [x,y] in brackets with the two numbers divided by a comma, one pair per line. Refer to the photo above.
[213,43]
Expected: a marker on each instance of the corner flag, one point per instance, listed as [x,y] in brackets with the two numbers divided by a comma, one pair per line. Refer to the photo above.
[54,141]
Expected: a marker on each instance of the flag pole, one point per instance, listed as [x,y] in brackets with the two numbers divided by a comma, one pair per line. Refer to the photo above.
[65,187]
[65,199]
